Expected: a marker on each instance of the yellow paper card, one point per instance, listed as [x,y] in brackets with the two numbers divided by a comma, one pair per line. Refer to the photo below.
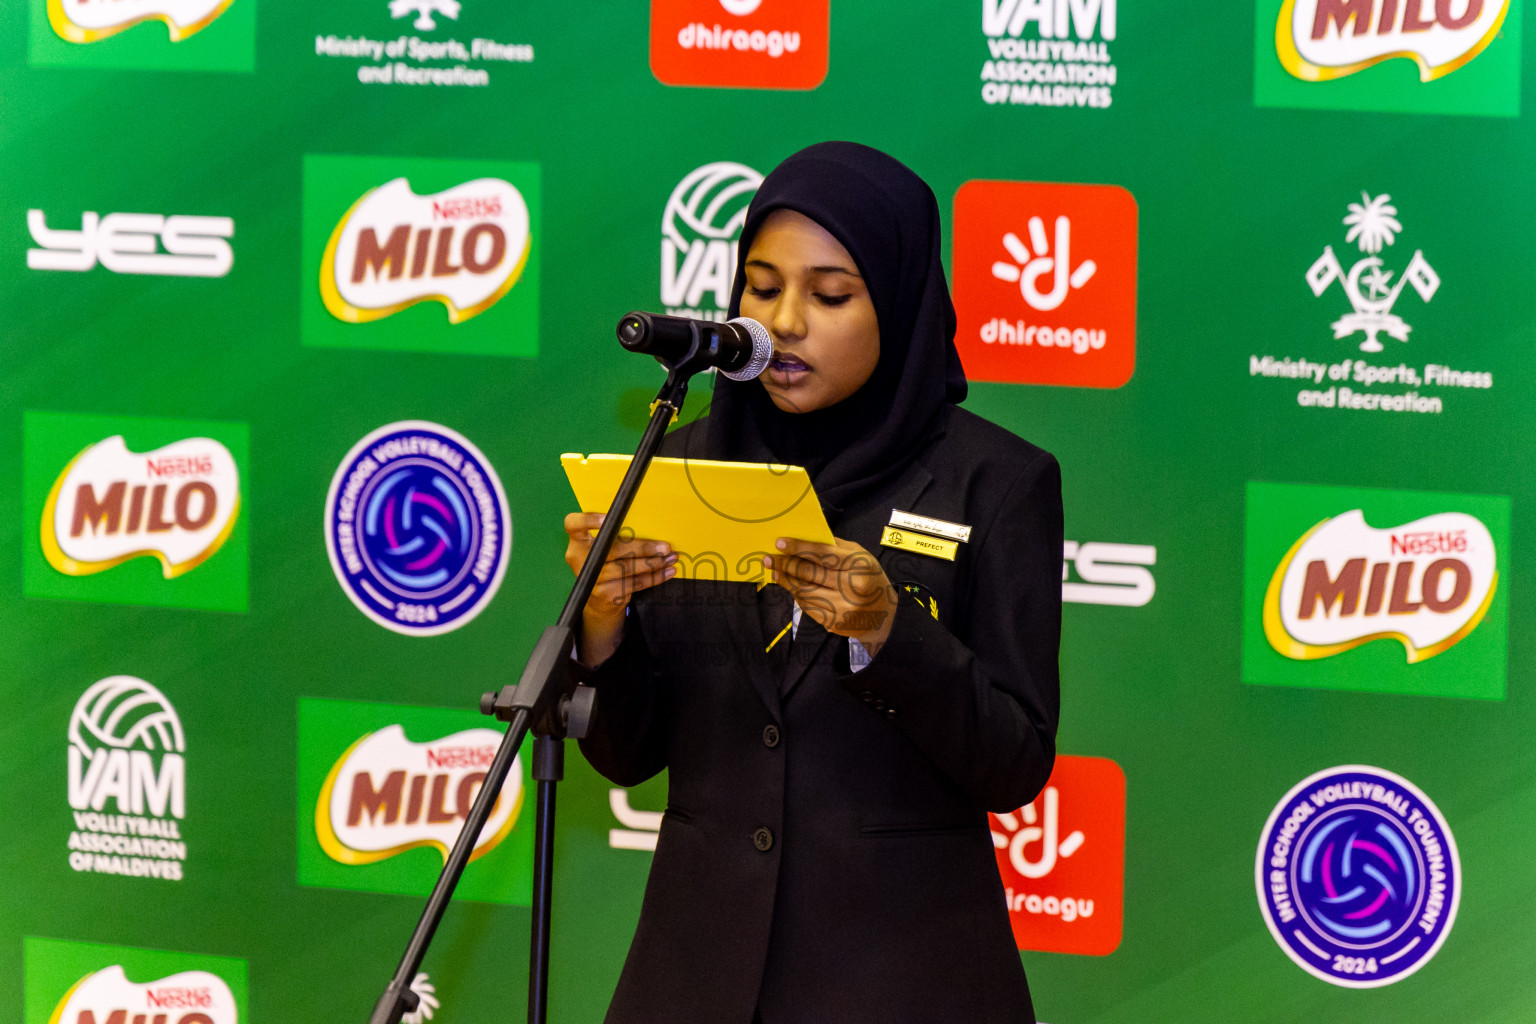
[720,517]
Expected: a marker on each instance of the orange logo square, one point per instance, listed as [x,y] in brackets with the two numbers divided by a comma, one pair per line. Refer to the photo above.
[741,44]
[1045,283]
[1062,858]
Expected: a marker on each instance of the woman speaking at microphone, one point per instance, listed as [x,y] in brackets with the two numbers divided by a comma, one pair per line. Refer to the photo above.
[825,854]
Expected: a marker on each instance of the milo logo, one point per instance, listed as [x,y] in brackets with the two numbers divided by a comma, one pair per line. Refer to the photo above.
[1385,591]
[91,983]
[464,247]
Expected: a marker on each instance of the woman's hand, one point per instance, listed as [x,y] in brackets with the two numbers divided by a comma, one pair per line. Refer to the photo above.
[632,566]
[840,585]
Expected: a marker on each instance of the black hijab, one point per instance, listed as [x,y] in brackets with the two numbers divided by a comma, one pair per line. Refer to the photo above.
[888,220]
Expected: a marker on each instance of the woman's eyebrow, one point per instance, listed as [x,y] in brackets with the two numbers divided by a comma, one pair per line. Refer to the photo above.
[832,270]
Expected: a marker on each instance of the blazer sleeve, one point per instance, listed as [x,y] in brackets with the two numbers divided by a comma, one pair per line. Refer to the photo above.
[985,714]
[627,741]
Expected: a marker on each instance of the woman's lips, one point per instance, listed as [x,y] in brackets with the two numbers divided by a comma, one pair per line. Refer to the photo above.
[785,371]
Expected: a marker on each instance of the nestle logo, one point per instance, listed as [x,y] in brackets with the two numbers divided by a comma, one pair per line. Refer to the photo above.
[178,998]
[1429,542]
[182,465]
[462,209]
[460,757]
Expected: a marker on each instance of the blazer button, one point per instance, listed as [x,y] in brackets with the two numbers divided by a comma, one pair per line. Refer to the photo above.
[879,705]
[770,735]
[866,696]
[762,839]
[890,712]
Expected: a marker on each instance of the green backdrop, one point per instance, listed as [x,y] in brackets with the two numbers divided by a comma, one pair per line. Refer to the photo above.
[1241,179]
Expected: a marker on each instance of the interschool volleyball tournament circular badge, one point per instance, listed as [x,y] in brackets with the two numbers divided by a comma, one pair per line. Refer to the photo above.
[1358,876]
[417,528]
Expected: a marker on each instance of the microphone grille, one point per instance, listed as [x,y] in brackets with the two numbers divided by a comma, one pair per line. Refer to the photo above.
[762,350]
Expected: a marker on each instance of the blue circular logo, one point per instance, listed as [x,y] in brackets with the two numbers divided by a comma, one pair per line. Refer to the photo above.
[1358,876]
[417,527]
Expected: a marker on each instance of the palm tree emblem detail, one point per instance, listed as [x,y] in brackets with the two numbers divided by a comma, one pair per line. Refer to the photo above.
[1373,226]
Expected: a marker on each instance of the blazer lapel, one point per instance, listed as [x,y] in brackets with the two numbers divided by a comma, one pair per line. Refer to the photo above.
[865,524]
[741,617]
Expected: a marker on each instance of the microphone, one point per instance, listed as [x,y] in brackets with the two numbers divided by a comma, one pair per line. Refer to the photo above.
[740,349]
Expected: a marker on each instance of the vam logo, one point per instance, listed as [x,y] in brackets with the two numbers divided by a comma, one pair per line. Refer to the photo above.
[1113,574]
[383,794]
[386,795]
[135,511]
[1045,283]
[421,255]
[127,781]
[1062,860]
[1372,225]
[757,44]
[1407,56]
[130,243]
[1358,876]
[1320,40]
[1051,53]
[178,503]
[90,983]
[1427,583]
[699,232]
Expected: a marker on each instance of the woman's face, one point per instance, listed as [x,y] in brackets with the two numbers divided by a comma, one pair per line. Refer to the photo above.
[805,288]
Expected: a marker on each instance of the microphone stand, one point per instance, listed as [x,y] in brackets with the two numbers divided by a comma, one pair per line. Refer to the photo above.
[550,701]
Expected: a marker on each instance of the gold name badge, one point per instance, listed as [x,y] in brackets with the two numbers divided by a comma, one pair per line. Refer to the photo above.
[909,541]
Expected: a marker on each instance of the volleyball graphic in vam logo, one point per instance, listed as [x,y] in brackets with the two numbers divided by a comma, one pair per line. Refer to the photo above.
[1045,283]
[699,231]
[741,44]
[86,21]
[1062,860]
[1385,584]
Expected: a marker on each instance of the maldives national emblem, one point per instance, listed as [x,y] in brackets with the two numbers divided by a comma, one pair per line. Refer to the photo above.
[1372,225]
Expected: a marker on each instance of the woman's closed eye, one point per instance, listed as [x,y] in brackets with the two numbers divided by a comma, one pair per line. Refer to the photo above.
[833,300]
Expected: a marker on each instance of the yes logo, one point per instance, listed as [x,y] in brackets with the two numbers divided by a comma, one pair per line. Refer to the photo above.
[1380,590]
[422,255]
[161,35]
[741,44]
[135,511]
[1062,859]
[699,232]
[128,243]
[82,982]
[1423,56]
[1045,283]
[383,794]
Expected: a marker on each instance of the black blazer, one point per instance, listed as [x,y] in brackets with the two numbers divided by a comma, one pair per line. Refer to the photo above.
[825,856]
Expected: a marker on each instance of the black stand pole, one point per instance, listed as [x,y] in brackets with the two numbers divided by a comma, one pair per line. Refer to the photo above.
[548,701]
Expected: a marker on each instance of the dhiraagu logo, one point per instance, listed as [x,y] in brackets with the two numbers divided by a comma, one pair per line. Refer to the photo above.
[383,794]
[150,35]
[1409,56]
[421,255]
[1392,591]
[128,510]
[78,982]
